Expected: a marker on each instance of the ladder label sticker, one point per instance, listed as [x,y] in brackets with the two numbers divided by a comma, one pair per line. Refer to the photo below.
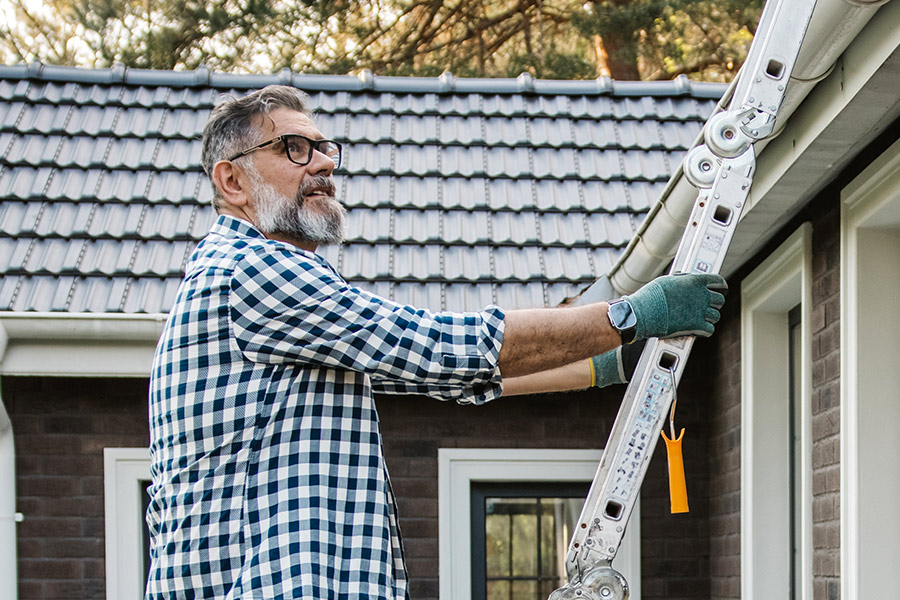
[629,465]
[712,242]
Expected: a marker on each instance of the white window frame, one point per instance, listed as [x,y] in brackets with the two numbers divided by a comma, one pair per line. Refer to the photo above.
[870,448]
[459,467]
[768,294]
[123,468]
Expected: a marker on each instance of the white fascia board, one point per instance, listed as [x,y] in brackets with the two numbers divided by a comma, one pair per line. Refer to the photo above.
[842,115]
[79,345]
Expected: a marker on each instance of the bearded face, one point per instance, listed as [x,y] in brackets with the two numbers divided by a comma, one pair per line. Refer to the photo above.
[313,216]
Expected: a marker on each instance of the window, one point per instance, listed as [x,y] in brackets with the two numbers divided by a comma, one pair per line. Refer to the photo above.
[464,474]
[776,438]
[870,329]
[126,475]
[520,534]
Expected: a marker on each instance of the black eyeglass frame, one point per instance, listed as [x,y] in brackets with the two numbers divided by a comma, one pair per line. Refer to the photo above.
[313,146]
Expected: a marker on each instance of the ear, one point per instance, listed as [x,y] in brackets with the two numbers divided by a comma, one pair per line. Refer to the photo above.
[231,182]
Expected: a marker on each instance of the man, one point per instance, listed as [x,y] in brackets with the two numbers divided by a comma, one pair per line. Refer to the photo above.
[268,474]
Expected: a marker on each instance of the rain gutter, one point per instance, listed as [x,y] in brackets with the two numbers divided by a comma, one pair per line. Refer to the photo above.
[80,344]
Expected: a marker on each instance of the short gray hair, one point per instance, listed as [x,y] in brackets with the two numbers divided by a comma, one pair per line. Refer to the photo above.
[231,127]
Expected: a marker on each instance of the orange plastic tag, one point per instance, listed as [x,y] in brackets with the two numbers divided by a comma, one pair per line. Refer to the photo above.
[677,485]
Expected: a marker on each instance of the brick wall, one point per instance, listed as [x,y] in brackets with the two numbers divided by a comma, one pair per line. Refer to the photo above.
[724,430]
[826,410]
[61,427]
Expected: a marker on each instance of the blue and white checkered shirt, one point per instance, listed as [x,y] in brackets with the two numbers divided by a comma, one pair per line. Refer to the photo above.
[269,479]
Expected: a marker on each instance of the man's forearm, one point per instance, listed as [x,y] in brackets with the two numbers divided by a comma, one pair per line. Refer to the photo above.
[542,339]
[576,376]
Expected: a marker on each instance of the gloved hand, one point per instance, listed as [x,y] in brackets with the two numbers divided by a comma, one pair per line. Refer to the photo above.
[675,305]
[616,366]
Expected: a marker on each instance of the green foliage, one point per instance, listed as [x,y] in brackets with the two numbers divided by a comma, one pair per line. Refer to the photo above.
[566,39]
[659,39]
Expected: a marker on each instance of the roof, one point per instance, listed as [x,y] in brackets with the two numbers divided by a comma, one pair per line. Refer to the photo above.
[460,192]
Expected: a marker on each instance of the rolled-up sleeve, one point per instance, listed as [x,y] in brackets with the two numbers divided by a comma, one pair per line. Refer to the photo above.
[288,307]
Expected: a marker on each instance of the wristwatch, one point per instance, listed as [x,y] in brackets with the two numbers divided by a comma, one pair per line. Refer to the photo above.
[623,319]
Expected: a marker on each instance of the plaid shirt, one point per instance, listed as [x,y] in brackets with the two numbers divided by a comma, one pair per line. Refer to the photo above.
[269,479]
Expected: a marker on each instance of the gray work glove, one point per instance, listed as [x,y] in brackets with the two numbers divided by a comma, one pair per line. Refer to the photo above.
[675,305]
[616,366]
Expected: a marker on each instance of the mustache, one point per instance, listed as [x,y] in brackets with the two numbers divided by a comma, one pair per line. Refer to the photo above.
[318,183]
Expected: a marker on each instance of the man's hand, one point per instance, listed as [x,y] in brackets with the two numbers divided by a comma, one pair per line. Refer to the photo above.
[675,305]
[536,340]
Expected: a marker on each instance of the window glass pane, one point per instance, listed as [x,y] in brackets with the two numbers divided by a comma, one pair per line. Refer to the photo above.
[524,531]
[795,364]
[525,589]
[524,539]
[498,590]
[558,516]
[497,543]
[548,586]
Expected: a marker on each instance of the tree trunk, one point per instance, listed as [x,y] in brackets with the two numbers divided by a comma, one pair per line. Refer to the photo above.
[614,54]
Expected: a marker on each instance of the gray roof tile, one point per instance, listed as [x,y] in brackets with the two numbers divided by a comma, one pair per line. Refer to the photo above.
[366,261]
[417,262]
[550,132]
[460,192]
[474,296]
[501,130]
[122,185]
[467,263]
[517,263]
[516,294]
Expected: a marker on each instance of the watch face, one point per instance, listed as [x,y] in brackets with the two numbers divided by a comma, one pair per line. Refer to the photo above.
[622,315]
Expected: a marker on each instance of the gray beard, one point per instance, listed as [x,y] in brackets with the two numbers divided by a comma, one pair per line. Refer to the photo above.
[281,215]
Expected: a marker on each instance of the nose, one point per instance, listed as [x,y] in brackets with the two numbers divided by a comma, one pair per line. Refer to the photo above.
[320,164]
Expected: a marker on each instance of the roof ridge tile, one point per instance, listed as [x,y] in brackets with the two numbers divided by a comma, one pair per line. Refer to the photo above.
[446,83]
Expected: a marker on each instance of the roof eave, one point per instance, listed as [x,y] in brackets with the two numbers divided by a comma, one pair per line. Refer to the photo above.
[78,344]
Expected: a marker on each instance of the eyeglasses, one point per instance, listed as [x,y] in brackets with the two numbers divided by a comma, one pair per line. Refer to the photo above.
[299,149]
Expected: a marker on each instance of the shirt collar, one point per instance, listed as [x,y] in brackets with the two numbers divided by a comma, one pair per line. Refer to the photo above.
[227,226]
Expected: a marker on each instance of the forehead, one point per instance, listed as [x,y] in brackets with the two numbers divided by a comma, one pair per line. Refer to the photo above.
[285,120]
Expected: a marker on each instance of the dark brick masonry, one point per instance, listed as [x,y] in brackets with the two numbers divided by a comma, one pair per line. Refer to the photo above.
[61,426]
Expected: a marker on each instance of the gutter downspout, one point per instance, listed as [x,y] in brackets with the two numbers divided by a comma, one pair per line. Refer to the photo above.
[9,578]
[833,26]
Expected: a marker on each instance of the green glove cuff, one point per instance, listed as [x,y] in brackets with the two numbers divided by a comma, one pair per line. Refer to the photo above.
[616,366]
[607,369]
